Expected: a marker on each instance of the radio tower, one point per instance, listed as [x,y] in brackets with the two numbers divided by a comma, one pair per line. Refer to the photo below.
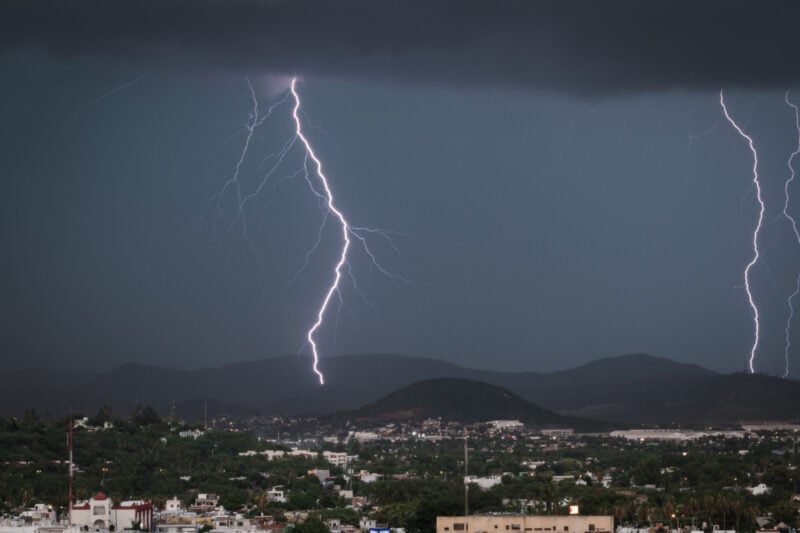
[466,474]
[71,469]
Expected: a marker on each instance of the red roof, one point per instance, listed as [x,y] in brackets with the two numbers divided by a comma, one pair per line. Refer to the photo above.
[100,496]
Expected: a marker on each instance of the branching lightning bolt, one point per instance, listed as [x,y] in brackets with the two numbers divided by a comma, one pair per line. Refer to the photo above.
[756,231]
[319,185]
[787,344]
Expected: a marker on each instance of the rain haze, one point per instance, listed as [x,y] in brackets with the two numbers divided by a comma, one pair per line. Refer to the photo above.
[558,180]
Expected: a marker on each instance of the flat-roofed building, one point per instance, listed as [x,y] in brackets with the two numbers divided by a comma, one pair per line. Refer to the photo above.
[524,524]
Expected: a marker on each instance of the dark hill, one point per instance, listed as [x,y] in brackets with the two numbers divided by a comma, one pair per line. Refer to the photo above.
[719,398]
[461,400]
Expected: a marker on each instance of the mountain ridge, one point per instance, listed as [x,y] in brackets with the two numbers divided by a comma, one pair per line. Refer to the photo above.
[631,388]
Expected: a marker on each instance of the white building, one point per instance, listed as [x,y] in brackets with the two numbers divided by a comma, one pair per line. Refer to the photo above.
[484,483]
[276,494]
[308,454]
[339,459]
[506,424]
[193,434]
[173,505]
[364,436]
[99,513]
[758,490]
[272,454]
[367,477]
[205,503]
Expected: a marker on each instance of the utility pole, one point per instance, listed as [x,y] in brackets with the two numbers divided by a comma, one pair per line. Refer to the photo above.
[466,473]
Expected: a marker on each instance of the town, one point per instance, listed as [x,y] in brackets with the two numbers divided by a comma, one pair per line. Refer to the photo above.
[268,473]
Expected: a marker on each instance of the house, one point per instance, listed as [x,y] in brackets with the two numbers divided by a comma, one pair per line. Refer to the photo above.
[173,505]
[276,494]
[205,503]
[38,514]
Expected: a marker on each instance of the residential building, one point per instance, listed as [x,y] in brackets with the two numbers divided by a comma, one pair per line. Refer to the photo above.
[205,503]
[276,494]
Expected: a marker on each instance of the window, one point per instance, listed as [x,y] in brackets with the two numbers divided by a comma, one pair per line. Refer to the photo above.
[591,527]
[458,526]
[566,528]
[515,527]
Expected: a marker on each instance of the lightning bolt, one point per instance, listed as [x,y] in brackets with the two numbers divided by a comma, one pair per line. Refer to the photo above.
[756,231]
[346,232]
[319,185]
[573,124]
[793,222]
[107,94]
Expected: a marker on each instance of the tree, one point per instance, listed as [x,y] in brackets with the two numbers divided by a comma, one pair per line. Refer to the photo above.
[312,524]
[145,415]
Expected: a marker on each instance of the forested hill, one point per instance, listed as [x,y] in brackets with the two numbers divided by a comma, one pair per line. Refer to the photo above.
[461,400]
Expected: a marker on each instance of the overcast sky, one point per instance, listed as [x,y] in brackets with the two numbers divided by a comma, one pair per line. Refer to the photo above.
[560,178]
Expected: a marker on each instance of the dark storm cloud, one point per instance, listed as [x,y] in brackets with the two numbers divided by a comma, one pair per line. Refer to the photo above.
[622,46]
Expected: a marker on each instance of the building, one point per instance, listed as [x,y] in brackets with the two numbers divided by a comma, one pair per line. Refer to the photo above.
[308,454]
[524,524]
[506,424]
[99,513]
[173,505]
[340,459]
[484,483]
[38,514]
[205,502]
[559,433]
[133,514]
[277,494]
[177,528]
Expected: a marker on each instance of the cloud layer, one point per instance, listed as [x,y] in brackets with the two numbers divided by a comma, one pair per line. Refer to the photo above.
[564,45]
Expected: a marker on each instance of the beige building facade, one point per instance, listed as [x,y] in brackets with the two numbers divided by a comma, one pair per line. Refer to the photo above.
[524,524]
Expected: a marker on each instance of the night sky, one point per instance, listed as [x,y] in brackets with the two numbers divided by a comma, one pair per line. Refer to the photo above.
[559,179]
